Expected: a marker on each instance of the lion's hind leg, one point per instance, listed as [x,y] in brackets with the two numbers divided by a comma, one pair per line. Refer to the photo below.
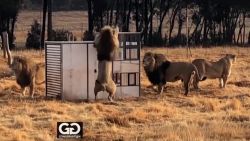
[24,89]
[98,88]
[224,81]
[187,80]
[196,82]
[192,78]
[32,87]
[111,89]
[221,82]
[160,88]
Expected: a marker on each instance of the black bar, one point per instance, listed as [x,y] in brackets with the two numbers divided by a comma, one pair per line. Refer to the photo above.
[139,57]
[46,69]
[121,79]
[61,72]
[128,79]
[88,71]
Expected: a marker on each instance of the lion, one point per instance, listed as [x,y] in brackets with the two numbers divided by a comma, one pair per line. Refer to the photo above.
[28,73]
[153,72]
[220,69]
[167,71]
[106,43]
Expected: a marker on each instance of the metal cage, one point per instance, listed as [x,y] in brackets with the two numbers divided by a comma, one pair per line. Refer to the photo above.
[71,68]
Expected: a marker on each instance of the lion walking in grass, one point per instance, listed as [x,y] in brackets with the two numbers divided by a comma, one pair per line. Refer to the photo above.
[28,73]
[220,69]
[106,42]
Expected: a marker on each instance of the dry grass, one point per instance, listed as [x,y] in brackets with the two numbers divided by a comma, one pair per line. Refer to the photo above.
[209,114]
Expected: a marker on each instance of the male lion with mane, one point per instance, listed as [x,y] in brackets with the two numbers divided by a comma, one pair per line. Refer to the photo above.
[160,71]
[28,73]
[106,43]
[219,69]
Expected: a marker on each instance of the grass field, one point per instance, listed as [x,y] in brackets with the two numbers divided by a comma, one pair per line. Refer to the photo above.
[209,114]
[74,21]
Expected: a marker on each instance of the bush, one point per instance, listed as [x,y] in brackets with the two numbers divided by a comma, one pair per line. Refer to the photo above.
[88,36]
[34,36]
[178,40]
[62,35]
[156,40]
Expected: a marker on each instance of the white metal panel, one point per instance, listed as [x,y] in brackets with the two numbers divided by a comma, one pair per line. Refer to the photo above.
[74,71]
[93,71]
[126,66]
[130,91]
[53,70]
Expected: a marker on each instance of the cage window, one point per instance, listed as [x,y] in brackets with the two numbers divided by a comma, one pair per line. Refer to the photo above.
[119,54]
[127,54]
[124,78]
[132,79]
[134,53]
[134,43]
[137,79]
[117,78]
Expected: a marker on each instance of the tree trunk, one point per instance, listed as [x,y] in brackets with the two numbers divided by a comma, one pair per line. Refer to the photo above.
[162,17]
[111,15]
[107,17]
[5,40]
[151,22]
[205,32]
[49,20]
[11,38]
[240,32]
[172,22]
[117,12]
[145,21]
[128,15]
[44,22]
[90,17]
[180,23]
[136,15]
[124,16]
[244,27]
[101,19]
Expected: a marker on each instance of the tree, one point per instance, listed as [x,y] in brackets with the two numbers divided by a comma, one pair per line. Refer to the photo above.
[214,22]
[45,6]
[8,16]
[50,20]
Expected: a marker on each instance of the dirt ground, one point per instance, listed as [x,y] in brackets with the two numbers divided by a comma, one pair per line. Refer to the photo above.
[209,114]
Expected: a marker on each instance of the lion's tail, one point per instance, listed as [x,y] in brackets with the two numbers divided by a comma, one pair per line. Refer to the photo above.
[201,78]
[40,83]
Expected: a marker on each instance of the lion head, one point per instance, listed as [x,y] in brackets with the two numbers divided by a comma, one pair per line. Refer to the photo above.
[231,57]
[153,60]
[106,42]
[149,61]
[18,64]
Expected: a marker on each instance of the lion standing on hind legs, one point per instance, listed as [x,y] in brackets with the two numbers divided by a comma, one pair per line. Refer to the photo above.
[106,43]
